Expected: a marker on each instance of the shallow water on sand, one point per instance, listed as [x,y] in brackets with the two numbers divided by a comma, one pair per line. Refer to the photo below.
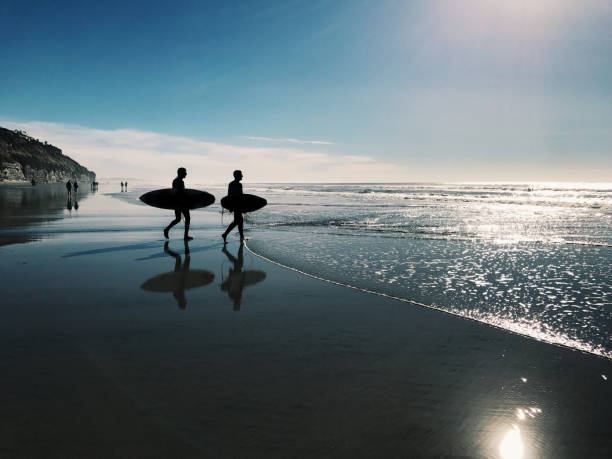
[534,262]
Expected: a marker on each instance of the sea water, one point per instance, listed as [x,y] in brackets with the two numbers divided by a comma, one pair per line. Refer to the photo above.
[531,258]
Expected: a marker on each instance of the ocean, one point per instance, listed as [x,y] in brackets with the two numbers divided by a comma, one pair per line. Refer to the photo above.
[531,258]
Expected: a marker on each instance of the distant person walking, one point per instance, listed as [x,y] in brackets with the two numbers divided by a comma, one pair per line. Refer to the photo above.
[76,187]
[126,186]
[69,187]
[179,186]
[235,189]
[121,186]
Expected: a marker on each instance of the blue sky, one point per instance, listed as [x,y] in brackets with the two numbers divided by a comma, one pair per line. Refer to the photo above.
[381,90]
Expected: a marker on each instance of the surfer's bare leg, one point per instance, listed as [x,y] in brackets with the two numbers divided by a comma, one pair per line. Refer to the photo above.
[177,218]
[227,231]
[238,220]
[187,222]
[230,227]
[240,224]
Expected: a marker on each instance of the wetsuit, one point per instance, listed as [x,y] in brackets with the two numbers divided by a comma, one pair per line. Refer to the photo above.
[179,186]
[235,189]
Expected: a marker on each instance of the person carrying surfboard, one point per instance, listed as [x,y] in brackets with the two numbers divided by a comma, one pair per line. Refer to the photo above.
[179,186]
[235,189]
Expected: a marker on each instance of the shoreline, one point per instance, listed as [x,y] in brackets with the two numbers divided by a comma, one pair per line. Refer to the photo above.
[432,307]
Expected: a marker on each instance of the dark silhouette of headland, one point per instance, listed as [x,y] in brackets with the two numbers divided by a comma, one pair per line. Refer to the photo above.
[25,159]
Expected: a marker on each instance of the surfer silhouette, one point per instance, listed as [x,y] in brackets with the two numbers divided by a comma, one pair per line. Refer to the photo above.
[179,186]
[69,187]
[235,189]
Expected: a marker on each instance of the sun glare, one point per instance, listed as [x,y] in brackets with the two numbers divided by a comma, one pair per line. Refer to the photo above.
[512,446]
[530,20]
[529,8]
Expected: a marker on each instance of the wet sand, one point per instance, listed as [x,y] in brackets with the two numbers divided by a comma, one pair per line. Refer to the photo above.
[109,348]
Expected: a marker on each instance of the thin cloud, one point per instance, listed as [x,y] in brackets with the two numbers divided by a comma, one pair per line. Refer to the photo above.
[156,156]
[288,140]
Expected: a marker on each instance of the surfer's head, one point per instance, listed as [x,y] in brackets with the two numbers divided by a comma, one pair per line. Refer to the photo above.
[181,172]
[238,175]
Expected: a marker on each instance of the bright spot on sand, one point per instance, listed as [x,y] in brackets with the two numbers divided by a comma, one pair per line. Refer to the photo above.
[511,446]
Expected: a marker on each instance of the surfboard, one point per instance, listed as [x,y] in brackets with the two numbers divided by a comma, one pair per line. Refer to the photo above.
[243,203]
[168,198]
[178,280]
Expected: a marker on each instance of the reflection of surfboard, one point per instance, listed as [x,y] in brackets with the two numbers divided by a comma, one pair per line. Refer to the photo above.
[178,280]
[242,279]
[243,203]
[171,199]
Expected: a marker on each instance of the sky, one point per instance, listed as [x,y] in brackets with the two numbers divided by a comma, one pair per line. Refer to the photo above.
[317,90]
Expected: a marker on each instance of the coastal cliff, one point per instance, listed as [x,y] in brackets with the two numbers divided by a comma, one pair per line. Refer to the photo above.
[23,159]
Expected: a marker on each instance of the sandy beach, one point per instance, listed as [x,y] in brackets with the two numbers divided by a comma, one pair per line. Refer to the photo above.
[116,344]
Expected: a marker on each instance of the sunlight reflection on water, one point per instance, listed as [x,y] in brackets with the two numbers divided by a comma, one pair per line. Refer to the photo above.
[512,446]
[534,262]
[557,294]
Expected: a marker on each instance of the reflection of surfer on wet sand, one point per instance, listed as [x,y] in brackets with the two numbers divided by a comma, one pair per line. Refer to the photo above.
[182,268]
[179,280]
[238,279]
